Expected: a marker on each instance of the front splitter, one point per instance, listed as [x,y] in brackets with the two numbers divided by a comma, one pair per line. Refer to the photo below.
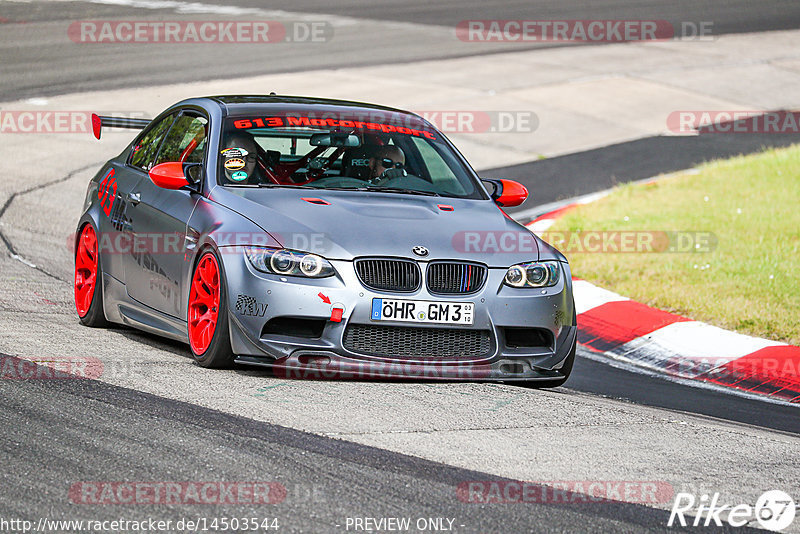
[323,365]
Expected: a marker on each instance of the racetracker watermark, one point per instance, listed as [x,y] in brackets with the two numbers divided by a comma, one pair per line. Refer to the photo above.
[50,368]
[149,524]
[177,493]
[471,121]
[734,122]
[581,31]
[321,367]
[564,492]
[158,243]
[199,32]
[59,122]
[763,368]
[607,242]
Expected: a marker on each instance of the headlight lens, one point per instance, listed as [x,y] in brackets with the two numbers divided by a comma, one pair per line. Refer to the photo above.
[515,276]
[311,265]
[288,262]
[282,262]
[534,274]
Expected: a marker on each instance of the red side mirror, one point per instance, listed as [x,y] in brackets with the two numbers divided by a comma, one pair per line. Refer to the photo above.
[510,193]
[169,175]
[97,125]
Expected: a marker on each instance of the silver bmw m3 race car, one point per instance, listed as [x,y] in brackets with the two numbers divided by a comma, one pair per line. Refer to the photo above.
[320,238]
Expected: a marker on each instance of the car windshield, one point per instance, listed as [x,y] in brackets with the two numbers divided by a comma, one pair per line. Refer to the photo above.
[381,152]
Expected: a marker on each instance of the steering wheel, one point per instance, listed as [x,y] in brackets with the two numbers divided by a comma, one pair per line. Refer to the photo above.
[315,171]
[387,175]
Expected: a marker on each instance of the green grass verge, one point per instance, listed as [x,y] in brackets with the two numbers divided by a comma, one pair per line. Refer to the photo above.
[750,282]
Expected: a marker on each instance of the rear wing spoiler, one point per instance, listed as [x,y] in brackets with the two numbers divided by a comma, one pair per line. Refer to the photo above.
[116,122]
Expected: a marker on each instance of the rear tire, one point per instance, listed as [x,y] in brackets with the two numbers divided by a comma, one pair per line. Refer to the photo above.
[88,281]
[207,315]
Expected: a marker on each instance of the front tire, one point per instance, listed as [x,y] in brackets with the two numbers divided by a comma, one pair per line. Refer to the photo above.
[208,314]
[89,280]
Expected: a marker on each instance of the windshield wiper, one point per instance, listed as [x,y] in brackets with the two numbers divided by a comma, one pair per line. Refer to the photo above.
[371,188]
[403,190]
[375,188]
[299,186]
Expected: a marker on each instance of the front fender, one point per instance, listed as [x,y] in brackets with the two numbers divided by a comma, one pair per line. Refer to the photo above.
[212,225]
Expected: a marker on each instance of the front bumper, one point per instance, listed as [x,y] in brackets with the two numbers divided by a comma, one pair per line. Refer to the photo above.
[497,308]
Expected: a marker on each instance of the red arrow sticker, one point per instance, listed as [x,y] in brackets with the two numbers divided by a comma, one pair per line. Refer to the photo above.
[325,299]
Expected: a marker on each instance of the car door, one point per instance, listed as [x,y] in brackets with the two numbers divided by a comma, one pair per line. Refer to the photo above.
[158,219]
[113,191]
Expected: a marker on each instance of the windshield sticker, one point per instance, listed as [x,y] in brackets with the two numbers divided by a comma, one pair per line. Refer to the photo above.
[234,153]
[234,164]
[277,122]
[239,176]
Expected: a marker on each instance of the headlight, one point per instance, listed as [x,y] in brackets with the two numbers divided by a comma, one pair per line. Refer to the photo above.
[311,265]
[282,262]
[534,274]
[288,262]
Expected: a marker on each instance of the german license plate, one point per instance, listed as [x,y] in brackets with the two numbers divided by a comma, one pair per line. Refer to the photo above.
[423,311]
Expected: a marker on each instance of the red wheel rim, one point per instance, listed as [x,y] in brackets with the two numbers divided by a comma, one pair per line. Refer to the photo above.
[203,303]
[85,270]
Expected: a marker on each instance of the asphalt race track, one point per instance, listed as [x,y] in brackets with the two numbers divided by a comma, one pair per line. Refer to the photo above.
[342,450]
[36,62]
[339,479]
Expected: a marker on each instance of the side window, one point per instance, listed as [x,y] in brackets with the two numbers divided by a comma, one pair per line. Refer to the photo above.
[186,140]
[145,150]
[441,173]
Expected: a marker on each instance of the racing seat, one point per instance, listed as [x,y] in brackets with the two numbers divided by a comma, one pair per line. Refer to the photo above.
[355,162]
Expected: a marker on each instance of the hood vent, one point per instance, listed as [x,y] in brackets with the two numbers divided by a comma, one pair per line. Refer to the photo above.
[317,201]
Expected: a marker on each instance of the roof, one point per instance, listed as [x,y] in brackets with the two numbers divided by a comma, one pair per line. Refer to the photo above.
[244,103]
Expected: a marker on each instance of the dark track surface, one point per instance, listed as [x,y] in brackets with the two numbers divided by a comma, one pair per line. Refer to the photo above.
[597,378]
[69,431]
[37,59]
[729,16]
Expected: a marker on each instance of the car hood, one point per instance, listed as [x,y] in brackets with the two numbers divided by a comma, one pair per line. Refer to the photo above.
[346,224]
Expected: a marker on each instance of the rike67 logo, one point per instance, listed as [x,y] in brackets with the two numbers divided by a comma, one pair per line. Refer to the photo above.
[774,510]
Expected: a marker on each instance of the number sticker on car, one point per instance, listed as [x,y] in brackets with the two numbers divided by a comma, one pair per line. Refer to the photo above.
[423,311]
